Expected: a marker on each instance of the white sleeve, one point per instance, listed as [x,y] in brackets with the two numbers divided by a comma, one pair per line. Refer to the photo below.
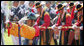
[53,26]
[74,26]
[59,27]
[81,27]
[11,13]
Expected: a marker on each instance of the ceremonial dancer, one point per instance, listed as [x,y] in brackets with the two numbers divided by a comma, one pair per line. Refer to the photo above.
[44,21]
[14,18]
[4,18]
[71,10]
[79,22]
[64,19]
[2,26]
[29,12]
[48,9]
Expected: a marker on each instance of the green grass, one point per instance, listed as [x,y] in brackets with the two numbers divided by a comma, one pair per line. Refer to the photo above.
[8,40]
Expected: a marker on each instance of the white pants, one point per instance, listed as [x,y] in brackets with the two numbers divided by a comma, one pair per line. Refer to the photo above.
[2,33]
[22,40]
[2,38]
[15,40]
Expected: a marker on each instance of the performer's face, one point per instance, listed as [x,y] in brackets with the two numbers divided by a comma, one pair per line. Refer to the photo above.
[48,5]
[61,11]
[31,4]
[15,4]
[39,9]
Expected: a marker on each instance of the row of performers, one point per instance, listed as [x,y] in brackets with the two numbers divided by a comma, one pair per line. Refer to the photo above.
[63,18]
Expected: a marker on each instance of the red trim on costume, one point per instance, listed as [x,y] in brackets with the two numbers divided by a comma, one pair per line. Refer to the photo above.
[32,10]
[46,20]
[72,12]
[37,31]
[57,12]
[10,25]
[68,10]
[58,22]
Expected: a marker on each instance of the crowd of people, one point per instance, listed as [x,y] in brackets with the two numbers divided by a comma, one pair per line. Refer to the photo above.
[46,14]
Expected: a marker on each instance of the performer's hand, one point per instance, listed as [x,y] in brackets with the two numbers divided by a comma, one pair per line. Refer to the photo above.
[53,27]
[74,26]
[81,28]
[42,28]
[35,23]
[6,23]
[11,13]
[60,27]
